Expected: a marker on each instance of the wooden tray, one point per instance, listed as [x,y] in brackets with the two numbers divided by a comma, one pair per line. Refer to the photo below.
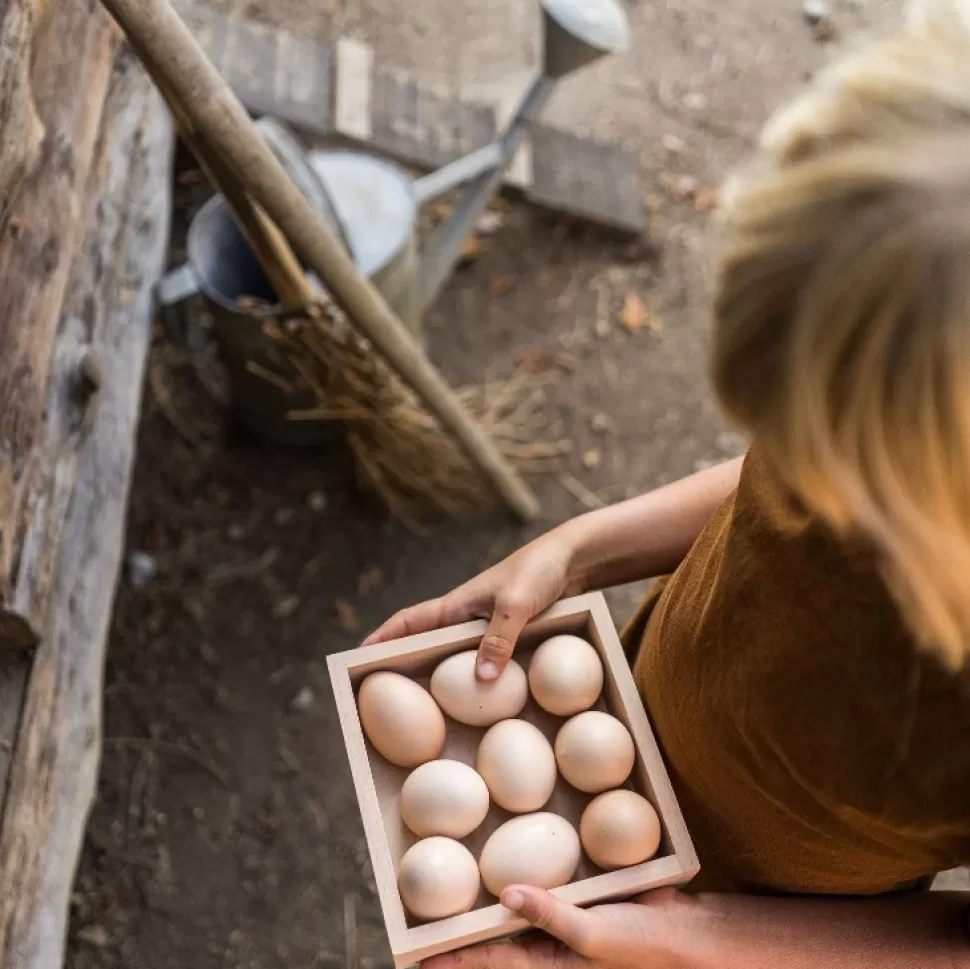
[378,783]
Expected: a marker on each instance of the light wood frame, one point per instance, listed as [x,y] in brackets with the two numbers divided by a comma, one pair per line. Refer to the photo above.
[378,782]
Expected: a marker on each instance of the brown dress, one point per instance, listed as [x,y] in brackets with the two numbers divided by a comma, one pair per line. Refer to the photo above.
[814,749]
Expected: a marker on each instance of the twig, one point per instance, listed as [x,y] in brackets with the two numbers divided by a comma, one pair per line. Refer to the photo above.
[226,573]
[580,492]
[163,398]
[351,952]
[165,747]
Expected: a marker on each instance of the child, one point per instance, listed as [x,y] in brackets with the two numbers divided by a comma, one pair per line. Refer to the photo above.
[805,664]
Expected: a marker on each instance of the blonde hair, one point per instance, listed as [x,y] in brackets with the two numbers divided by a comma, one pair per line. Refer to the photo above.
[842,336]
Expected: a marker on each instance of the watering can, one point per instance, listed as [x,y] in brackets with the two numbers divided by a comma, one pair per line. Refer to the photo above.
[373,207]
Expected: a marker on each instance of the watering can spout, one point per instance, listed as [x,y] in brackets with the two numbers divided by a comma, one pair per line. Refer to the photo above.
[578,32]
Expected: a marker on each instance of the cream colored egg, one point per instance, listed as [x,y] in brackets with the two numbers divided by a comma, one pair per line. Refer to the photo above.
[535,849]
[518,765]
[565,675]
[619,829]
[466,699]
[444,797]
[594,752]
[400,719]
[438,878]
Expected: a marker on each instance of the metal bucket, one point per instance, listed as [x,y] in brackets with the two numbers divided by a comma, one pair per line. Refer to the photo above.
[222,267]
[362,199]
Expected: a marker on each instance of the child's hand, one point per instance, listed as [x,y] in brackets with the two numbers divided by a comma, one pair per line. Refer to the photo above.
[508,594]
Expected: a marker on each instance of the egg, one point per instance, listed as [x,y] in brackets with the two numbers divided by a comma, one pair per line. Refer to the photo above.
[518,765]
[535,849]
[618,829]
[466,699]
[565,675]
[400,719]
[438,878]
[444,797]
[594,752]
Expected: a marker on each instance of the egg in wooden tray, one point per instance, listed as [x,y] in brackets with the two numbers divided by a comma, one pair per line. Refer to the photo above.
[576,801]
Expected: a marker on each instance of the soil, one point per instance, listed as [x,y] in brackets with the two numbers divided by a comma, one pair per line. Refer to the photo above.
[226,831]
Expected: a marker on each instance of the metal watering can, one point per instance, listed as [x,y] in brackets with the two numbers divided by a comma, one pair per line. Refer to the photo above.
[373,207]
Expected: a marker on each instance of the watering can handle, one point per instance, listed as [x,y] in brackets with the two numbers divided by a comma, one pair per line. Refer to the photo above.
[177,285]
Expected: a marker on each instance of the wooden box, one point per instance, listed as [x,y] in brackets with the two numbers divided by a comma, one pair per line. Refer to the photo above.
[378,783]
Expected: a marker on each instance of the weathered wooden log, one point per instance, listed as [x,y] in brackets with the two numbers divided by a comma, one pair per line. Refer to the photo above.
[22,128]
[91,410]
[71,52]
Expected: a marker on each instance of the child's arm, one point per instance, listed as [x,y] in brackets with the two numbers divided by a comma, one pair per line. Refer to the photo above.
[648,535]
[667,930]
[637,539]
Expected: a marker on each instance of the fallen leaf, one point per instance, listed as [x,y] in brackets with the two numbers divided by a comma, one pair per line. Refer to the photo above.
[94,934]
[470,250]
[634,315]
[603,328]
[534,359]
[346,616]
[601,422]
[499,285]
[369,579]
[705,199]
[286,606]
[269,819]
[191,176]
[592,459]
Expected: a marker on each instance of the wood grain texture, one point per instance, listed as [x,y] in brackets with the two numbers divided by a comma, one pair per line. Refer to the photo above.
[73,46]
[102,342]
[22,128]
[379,783]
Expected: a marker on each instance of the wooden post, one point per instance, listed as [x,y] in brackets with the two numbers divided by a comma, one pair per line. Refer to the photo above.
[71,49]
[173,53]
[22,128]
[50,702]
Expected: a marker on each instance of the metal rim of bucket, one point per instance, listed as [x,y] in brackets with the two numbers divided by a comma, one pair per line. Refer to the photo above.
[193,245]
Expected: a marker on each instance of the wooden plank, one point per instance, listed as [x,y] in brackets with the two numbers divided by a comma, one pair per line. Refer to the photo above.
[581,176]
[378,783]
[251,65]
[303,86]
[103,338]
[354,85]
[71,53]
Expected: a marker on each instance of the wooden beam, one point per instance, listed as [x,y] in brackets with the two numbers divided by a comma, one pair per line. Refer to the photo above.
[71,50]
[22,128]
[92,410]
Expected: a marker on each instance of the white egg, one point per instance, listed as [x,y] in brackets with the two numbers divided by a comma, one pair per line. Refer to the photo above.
[620,828]
[400,719]
[518,765]
[444,797]
[466,699]
[594,752]
[565,675]
[535,849]
[438,878]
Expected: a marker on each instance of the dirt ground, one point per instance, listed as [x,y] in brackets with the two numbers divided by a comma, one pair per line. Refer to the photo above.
[226,831]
